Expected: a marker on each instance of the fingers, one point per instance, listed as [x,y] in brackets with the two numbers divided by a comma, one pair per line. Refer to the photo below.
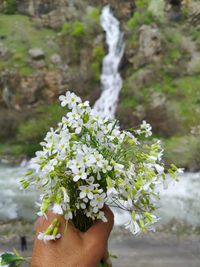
[66,227]
[100,230]
[43,222]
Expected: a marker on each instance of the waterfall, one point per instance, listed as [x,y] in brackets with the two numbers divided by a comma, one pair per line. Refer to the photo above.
[182,197]
[111,81]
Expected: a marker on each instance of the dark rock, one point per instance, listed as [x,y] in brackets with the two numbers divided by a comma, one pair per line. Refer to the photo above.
[150,46]
[5,53]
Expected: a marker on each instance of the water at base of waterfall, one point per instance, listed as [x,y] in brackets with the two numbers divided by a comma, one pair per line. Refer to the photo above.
[179,201]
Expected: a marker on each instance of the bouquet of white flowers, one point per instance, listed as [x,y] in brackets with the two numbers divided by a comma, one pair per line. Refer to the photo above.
[88,162]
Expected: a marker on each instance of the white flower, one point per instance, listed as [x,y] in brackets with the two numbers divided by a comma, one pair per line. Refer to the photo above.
[57,209]
[88,161]
[74,165]
[86,191]
[99,159]
[45,238]
[80,174]
[179,171]
[160,169]
[145,128]
[101,216]
[98,201]
[118,167]
[78,126]
[106,167]
[83,206]
[133,227]
[111,192]
[65,195]
[86,200]
[69,99]
[132,137]
[72,118]
[68,215]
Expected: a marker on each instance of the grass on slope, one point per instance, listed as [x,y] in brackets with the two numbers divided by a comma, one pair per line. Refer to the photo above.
[18,34]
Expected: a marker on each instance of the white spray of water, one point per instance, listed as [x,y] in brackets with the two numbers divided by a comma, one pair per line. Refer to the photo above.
[15,202]
[179,201]
[111,80]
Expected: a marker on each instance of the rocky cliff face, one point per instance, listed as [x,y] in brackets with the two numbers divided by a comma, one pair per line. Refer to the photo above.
[48,13]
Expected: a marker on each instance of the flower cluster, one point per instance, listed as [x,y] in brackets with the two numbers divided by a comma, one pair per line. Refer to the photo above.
[51,233]
[88,162]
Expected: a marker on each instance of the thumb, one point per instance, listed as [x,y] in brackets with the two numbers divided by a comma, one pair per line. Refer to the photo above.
[101,230]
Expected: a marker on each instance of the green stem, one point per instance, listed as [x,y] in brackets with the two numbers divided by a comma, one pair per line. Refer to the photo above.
[82,222]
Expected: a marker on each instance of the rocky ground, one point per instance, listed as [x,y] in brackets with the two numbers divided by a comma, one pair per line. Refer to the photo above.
[158,250]
[147,251]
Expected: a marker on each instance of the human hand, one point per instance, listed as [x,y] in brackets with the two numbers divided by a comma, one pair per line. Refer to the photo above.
[74,248]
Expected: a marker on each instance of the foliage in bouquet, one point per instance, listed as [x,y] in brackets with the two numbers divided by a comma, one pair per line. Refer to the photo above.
[88,162]
[12,259]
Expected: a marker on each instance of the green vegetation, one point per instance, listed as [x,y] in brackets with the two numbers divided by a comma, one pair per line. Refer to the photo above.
[10,7]
[134,21]
[17,150]
[89,25]
[65,28]
[157,7]
[92,20]
[98,54]
[174,46]
[34,130]
[18,35]
[142,3]
[182,92]
[195,33]
[78,36]
[187,90]
[183,151]
[139,19]
[77,30]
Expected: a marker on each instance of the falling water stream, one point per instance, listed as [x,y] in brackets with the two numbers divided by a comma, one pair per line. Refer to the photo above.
[111,81]
[180,201]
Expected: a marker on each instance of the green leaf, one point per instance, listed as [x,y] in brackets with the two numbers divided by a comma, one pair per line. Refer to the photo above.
[141,222]
[133,215]
[109,181]
[24,183]
[10,259]
[29,172]
[112,256]
[103,265]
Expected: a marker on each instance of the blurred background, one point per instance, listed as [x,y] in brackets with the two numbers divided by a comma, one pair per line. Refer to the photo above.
[48,47]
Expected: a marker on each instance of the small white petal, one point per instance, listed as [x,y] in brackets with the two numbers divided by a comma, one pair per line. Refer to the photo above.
[90,195]
[82,194]
[57,209]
